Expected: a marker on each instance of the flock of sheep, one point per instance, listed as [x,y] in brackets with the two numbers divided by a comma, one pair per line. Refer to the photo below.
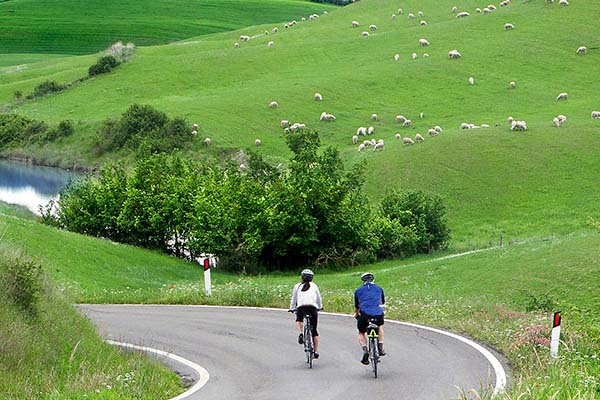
[515,125]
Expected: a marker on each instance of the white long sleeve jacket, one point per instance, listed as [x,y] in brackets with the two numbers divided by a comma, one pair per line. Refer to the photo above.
[311,297]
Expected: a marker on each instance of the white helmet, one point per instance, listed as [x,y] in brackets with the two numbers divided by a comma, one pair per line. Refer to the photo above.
[307,275]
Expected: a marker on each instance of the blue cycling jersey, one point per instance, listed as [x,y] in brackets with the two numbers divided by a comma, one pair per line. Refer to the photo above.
[369,298]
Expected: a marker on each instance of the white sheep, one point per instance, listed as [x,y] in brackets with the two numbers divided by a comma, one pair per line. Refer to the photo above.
[355,24]
[485,125]
[257,142]
[374,117]
[581,50]
[407,123]
[463,14]
[194,127]
[206,141]
[518,126]
[454,54]
[510,120]
[407,141]
[423,42]
[400,118]
[284,123]
[361,131]
[595,114]
[562,96]
[361,147]
[438,129]
[400,11]
[491,7]
[432,132]
[236,45]
[465,125]
[266,32]
[419,138]
[471,81]
[355,139]
[423,23]
[372,27]
[512,84]
[397,136]
[194,133]
[411,16]
[365,34]
[425,55]
[318,97]
[396,57]
[393,16]
[327,117]
[454,10]
[273,104]
[556,122]
[421,115]
[420,14]
[561,118]
[478,10]
[563,3]
[303,19]
[243,167]
[504,3]
[271,43]
[486,10]
[370,130]
[275,30]
[509,27]
[244,38]
[367,143]
[378,145]
[414,56]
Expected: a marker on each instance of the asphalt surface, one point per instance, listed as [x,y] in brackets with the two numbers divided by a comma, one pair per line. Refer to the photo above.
[254,354]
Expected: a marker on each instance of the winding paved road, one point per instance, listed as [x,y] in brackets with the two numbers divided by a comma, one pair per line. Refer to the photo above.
[253,354]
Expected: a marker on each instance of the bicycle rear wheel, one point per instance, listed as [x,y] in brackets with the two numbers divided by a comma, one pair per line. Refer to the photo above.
[374,355]
[308,344]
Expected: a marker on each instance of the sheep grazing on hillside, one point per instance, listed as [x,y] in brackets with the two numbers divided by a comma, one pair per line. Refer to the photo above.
[374,117]
[407,123]
[454,54]
[365,34]
[303,19]
[194,133]
[400,118]
[510,120]
[372,27]
[454,10]
[425,55]
[556,122]
[509,27]
[273,104]
[244,38]
[318,97]
[398,136]
[491,7]
[414,56]
[370,130]
[284,123]
[361,147]
[396,57]
[438,129]
[313,17]
[419,138]
[595,114]
[504,3]
[266,32]
[486,10]
[432,132]
[194,127]
[421,115]
[400,11]
[327,117]
[378,145]
[465,125]
[275,30]
[581,50]
[257,142]
[236,45]
[423,23]
[206,141]
[471,81]
[355,24]
[408,141]
[393,16]
[563,3]
[478,10]
[463,14]
[485,125]
[423,42]
[518,126]
[295,127]
[355,139]
[420,14]
[361,131]
[512,84]
[561,118]
[411,16]
[243,167]
[562,96]
[271,43]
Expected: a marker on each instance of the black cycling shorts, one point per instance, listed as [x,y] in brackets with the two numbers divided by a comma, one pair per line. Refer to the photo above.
[313,315]
[363,321]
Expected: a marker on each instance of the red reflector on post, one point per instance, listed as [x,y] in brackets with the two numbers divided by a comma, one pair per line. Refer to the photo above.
[206,264]
[556,321]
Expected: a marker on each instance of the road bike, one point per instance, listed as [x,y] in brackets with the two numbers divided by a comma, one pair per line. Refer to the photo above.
[373,344]
[309,348]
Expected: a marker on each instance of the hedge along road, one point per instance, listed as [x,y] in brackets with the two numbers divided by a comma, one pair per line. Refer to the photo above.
[253,354]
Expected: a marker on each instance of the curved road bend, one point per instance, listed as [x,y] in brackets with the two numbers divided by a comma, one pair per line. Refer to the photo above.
[254,354]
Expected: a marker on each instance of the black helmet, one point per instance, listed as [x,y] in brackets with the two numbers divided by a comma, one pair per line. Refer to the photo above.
[307,275]
[367,277]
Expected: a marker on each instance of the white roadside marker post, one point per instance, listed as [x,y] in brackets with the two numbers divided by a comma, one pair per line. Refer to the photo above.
[554,341]
[207,276]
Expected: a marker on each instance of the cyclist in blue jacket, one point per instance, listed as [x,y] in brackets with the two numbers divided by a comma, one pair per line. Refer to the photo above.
[368,303]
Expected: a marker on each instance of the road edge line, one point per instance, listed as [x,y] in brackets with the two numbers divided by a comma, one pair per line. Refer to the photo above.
[203,375]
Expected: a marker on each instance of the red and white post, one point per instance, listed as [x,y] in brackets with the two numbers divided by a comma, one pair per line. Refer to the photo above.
[555,340]
[207,284]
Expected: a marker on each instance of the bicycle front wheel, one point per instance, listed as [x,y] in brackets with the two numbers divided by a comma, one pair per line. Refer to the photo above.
[374,356]
[308,346]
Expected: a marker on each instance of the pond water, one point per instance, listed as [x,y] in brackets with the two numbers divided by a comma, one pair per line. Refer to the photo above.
[31,186]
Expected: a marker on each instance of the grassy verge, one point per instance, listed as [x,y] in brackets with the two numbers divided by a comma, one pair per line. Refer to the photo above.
[49,351]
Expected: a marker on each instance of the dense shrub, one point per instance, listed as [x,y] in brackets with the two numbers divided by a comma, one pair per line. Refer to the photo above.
[21,282]
[45,88]
[104,65]
[13,128]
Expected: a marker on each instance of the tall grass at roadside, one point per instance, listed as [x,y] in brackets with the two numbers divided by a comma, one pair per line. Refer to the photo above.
[49,351]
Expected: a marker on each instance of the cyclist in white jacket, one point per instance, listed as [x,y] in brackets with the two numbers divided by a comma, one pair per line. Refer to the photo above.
[306,300]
